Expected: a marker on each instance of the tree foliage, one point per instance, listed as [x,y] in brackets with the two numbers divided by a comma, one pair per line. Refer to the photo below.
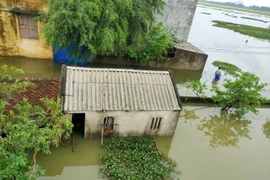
[7,89]
[106,27]
[241,93]
[153,45]
[27,128]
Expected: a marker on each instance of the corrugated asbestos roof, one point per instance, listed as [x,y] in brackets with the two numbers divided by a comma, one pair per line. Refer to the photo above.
[92,89]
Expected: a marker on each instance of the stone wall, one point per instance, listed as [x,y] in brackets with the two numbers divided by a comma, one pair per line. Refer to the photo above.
[29,5]
[178,17]
[186,56]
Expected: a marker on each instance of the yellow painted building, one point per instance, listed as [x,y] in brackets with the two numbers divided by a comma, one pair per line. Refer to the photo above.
[20,34]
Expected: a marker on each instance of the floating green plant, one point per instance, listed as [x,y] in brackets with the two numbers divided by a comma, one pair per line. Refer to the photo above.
[136,158]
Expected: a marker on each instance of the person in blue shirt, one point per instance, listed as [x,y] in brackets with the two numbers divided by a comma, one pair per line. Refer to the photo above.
[217,74]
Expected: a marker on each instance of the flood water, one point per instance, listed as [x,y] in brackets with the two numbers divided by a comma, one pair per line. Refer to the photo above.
[42,68]
[226,45]
[207,145]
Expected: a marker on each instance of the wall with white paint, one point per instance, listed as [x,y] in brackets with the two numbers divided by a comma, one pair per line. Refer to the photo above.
[133,123]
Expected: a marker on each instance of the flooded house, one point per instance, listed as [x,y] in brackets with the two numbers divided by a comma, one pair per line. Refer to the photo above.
[120,102]
[20,32]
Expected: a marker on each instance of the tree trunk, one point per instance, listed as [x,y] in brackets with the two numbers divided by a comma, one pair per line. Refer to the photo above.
[34,160]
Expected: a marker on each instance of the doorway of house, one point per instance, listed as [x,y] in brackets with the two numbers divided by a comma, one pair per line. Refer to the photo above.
[78,121]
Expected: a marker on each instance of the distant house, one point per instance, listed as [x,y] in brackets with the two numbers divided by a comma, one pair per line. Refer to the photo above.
[20,33]
[121,101]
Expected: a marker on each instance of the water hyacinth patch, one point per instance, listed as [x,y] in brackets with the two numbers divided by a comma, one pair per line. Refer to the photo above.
[133,158]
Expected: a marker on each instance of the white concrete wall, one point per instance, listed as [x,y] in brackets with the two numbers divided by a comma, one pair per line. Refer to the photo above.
[178,16]
[132,123]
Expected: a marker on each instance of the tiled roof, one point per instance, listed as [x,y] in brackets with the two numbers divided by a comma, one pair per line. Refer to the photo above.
[40,88]
[93,89]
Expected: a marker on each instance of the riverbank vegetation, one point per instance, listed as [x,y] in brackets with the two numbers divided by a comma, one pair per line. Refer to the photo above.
[26,128]
[111,28]
[254,19]
[234,8]
[257,32]
[136,158]
[227,67]
[241,93]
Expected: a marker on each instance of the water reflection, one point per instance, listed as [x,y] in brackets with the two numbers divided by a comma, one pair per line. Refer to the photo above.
[266,129]
[222,129]
[190,115]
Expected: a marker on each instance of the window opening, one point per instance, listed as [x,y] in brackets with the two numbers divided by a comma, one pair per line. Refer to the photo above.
[155,124]
[159,123]
[108,123]
[28,27]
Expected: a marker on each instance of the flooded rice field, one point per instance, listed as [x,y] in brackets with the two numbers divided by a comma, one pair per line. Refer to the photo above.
[226,45]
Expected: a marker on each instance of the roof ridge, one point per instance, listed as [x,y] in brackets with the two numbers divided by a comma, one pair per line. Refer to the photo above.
[119,70]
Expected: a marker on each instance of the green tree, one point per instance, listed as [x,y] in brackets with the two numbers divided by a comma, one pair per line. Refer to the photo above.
[27,129]
[241,93]
[153,45]
[106,27]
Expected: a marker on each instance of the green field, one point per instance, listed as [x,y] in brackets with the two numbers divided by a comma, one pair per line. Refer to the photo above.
[257,32]
[234,8]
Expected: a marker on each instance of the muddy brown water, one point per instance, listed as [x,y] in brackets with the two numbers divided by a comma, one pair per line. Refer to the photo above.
[207,145]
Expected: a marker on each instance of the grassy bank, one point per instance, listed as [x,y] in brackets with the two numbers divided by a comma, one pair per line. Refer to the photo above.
[254,19]
[234,8]
[257,32]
